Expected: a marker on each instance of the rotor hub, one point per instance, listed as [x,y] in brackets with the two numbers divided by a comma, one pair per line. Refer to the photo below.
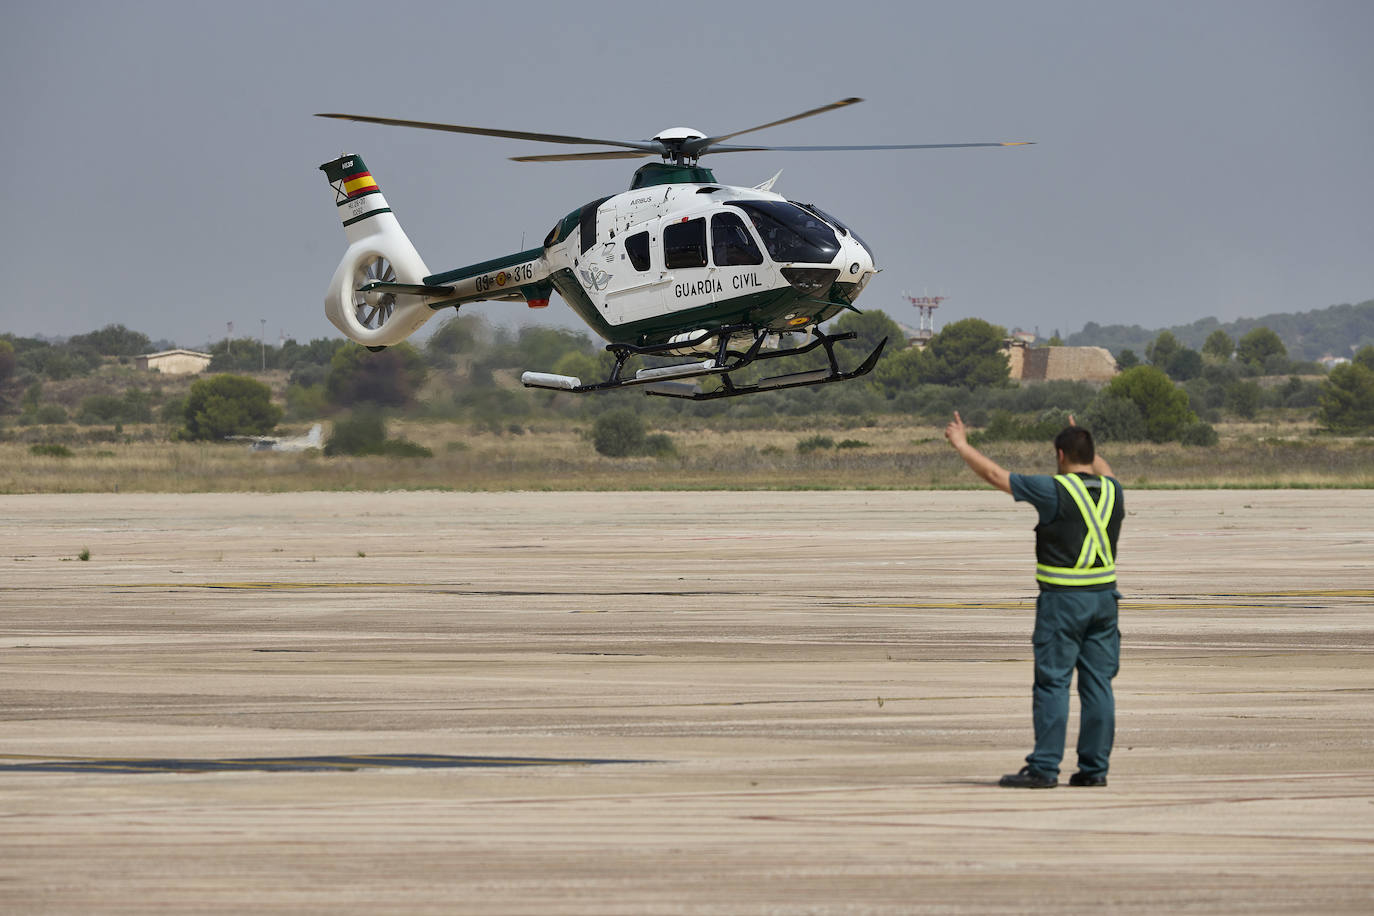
[680,144]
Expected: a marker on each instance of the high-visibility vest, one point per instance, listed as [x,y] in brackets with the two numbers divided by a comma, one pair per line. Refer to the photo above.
[1096,564]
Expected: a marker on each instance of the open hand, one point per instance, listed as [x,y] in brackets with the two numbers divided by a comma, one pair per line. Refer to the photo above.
[955,432]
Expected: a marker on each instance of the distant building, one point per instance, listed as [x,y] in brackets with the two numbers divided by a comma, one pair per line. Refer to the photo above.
[1025,337]
[174,362]
[1331,362]
[1049,364]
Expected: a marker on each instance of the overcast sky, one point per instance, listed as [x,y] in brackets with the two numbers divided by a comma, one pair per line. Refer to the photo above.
[1193,158]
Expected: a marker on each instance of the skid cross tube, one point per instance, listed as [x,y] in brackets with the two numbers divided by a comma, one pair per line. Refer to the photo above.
[729,389]
[726,360]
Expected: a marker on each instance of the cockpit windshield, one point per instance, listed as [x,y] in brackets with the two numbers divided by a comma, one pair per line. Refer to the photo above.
[789,232]
[844,230]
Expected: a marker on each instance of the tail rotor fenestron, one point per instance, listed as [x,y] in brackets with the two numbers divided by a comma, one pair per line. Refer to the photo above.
[371,307]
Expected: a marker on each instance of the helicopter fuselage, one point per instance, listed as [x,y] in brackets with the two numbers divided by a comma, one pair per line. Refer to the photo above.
[663,260]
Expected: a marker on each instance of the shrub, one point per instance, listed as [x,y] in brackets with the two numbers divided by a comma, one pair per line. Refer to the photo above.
[1005,427]
[1347,400]
[229,405]
[1243,398]
[1113,419]
[851,443]
[100,408]
[1184,364]
[618,433]
[660,445]
[363,433]
[134,406]
[304,401]
[51,413]
[1198,433]
[1163,405]
[173,411]
[812,443]
[404,448]
[1299,393]
[51,450]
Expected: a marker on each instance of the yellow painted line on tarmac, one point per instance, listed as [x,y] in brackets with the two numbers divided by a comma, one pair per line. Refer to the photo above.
[1126,603]
[265,586]
[1029,604]
[1300,593]
[246,586]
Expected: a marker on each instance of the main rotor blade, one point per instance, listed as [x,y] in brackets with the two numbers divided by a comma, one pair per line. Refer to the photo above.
[711,141]
[570,157]
[813,149]
[492,132]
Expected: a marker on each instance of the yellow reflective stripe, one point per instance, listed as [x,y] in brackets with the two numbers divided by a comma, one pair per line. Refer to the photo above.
[1075,576]
[1096,544]
[1098,522]
[1094,519]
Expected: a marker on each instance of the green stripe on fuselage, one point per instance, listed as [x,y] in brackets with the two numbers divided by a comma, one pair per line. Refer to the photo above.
[463,273]
[765,309]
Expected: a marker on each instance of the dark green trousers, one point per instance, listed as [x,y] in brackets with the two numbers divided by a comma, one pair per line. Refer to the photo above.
[1075,630]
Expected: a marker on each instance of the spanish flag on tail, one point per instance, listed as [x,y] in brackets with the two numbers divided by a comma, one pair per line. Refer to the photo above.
[356,193]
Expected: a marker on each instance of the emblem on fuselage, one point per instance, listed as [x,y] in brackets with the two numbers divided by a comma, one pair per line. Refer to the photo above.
[596,278]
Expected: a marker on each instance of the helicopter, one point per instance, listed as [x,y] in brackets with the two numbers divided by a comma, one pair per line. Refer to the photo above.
[680,266]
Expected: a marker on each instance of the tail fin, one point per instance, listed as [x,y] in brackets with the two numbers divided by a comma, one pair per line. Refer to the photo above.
[378,252]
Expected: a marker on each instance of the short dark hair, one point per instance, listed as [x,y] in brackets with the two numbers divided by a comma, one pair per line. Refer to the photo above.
[1077,445]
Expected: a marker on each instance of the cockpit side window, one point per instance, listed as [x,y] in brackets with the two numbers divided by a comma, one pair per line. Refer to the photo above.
[731,243]
[789,232]
[637,247]
[684,244]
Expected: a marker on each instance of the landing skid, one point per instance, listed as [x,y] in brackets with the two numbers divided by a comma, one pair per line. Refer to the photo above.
[674,381]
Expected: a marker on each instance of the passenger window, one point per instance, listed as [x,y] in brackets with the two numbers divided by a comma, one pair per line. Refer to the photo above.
[684,244]
[637,247]
[731,243]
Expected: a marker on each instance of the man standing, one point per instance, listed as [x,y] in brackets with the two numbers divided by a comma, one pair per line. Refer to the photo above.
[1081,509]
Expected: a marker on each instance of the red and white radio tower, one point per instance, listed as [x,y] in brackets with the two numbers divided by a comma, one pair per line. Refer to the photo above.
[927,305]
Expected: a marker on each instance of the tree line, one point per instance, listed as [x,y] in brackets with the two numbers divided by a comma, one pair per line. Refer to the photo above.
[468,370]
[1339,330]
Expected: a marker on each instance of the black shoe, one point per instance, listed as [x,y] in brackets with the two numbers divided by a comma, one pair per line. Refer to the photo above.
[1028,779]
[1083,779]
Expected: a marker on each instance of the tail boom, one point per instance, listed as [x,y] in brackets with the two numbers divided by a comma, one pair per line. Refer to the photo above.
[382,292]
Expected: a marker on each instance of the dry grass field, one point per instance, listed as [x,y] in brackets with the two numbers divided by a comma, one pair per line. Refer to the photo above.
[895,455]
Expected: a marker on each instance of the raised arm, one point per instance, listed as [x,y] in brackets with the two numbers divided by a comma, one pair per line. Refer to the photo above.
[980,464]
